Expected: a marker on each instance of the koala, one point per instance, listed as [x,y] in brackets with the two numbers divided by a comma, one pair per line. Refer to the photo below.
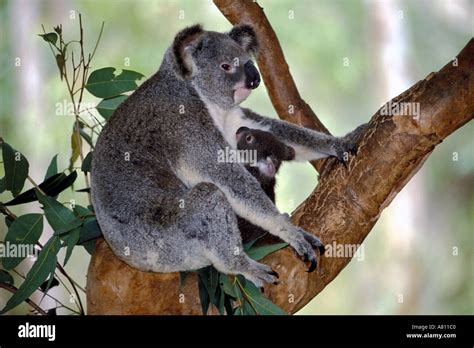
[162,199]
[270,152]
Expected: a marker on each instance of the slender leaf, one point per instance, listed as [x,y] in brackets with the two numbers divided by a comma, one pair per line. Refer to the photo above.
[258,253]
[58,216]
[42,268]
[50,37]
[75,149]
[25,230]
[16,169]
[87,163]
[3,185]
[52,186]
[203,296]
[5,277]
[262,305]
[52,168]
[71,240]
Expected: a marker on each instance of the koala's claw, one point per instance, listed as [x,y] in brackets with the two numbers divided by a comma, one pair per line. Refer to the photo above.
[313,265]
[273,273]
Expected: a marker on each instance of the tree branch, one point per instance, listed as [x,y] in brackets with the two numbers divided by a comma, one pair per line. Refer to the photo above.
[344,206]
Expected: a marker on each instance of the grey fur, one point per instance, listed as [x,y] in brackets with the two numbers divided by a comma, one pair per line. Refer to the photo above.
[172,206]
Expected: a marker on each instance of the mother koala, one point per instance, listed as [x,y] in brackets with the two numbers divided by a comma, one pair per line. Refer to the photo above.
[163,200]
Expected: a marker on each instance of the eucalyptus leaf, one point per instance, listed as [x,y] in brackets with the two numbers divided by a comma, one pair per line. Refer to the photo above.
[260,303]
[3,185]
[50,37]
[52,186]
[5,277]
[71,240]
[25,230]
[260,252]
[16,169]
[42,268]
[87,163]
[58,216]
[107,107]
[52,168]
[104,83]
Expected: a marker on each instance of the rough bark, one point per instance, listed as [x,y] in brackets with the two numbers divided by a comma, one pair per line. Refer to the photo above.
[344,206]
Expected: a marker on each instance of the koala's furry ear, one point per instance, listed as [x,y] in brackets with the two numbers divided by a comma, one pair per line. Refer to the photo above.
[184,43]
[245,36]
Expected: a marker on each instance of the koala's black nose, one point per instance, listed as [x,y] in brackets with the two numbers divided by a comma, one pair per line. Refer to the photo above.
[252,77]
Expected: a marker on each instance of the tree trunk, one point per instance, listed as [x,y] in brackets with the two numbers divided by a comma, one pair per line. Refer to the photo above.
[344,206]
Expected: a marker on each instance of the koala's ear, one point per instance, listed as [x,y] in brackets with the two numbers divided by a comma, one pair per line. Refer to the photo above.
[240,132]
[245,36]
[183,45]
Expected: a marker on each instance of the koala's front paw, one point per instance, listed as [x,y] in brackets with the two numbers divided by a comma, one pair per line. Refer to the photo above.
[344,149]
[304,244]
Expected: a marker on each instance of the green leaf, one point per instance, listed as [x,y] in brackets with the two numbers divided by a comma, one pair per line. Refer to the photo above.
[90,231]
[42,268]
[75,150]
[70,241]
[16,169]
[50,37]
[210,278]
[50,283]
[3,185]
[69,227]
[87,163]
[89,246]
[258,253]
[182,278]
[203,296]
[52,186]
[230,287]
[86,137]
[107,106]
[5,277]
[52,168]
[82,212]
[25,230]
[58,216]
[262,305]
[103,83]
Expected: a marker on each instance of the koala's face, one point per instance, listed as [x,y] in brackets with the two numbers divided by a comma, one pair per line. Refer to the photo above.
[218,65]
[269,150]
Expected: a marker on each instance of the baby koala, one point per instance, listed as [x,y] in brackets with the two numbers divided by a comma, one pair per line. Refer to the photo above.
[270,152]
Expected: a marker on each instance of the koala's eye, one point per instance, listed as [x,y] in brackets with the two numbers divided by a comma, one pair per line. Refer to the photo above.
[226,67]
[249,139]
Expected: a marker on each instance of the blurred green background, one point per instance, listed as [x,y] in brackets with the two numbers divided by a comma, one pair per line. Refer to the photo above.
[348,58]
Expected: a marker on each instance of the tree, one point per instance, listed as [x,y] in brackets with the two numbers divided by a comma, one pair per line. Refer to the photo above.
[345,205]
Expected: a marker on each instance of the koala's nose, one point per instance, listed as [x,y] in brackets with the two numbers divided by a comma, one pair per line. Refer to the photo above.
[252,77]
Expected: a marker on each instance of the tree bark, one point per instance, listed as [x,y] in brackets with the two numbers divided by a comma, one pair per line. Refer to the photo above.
[344,206]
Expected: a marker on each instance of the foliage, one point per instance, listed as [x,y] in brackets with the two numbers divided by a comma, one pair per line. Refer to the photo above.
[235,295]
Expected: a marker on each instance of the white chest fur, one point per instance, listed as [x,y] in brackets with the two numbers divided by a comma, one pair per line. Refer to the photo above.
[229,121]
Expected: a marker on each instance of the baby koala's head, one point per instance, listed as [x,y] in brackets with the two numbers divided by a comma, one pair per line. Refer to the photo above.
[269,150]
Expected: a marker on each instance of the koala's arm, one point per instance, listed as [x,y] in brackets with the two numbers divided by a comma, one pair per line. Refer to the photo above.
[308,144]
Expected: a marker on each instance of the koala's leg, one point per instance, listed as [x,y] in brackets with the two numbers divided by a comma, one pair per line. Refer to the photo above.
[210,211]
